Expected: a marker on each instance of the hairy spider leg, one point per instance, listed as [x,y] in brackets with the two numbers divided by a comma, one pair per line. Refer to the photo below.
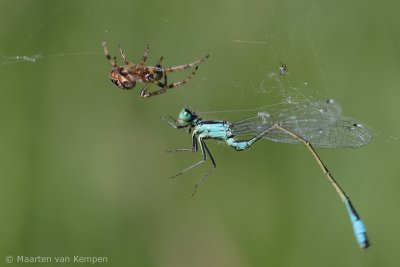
[159,71]
[186,66]
[108,56]
[145,55]
[164,86]
[123,56]
[159,62]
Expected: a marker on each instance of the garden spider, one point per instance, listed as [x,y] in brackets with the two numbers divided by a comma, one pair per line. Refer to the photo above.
[125,77]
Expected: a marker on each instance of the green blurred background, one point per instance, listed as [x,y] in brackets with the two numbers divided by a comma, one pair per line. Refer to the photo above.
[83,167]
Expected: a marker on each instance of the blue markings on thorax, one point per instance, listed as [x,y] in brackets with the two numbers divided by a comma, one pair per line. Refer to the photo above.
[214,129]
[220,130]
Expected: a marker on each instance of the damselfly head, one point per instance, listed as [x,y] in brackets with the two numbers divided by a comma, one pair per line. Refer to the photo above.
[187,115]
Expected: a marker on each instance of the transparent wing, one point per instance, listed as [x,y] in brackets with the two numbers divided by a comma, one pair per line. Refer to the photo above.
[320,122]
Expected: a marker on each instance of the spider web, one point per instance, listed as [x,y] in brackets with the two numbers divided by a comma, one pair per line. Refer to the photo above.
[279,88]
[20,46]
[288,90]
[266,82]
[240,80]
[265,79]
[260,88]
[17,53]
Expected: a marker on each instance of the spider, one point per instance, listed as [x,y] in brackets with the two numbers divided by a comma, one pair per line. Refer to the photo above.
[282,69]
[126,76]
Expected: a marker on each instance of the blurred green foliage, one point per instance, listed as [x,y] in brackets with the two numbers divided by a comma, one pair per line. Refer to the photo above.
[83,167]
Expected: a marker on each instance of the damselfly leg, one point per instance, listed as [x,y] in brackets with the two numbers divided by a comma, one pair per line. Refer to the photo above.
[204,152]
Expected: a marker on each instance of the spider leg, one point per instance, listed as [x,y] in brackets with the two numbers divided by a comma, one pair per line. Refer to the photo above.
[186,66]
[143,93]
[108,56]
[164,86]
[158,71]
[121,51]
[145,55]
[163,89]
[159,62]
[180,83]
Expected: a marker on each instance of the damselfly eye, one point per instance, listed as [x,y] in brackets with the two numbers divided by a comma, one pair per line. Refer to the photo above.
[187,115]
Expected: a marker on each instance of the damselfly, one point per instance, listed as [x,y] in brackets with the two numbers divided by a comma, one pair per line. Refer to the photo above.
[311,123]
